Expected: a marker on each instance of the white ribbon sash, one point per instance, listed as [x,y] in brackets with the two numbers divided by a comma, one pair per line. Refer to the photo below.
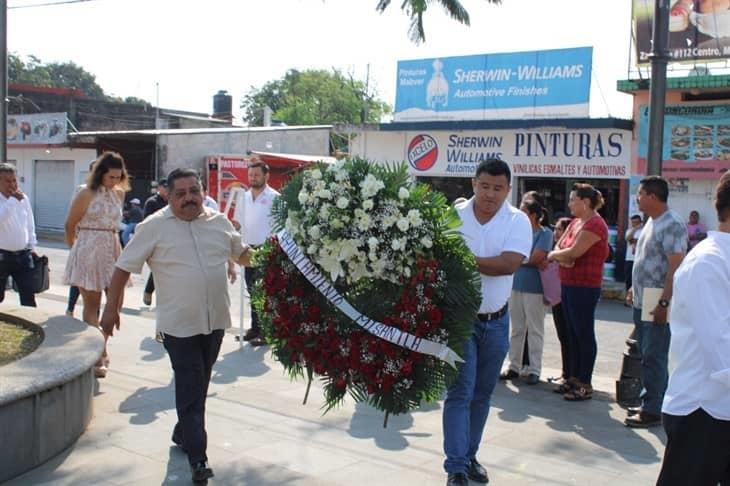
[383,331]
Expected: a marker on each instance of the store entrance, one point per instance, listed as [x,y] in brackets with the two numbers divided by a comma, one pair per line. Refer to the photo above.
[555,193]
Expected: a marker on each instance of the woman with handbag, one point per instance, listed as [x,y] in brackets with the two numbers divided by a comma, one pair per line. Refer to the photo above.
[581,253]
[91,232]
[527,307]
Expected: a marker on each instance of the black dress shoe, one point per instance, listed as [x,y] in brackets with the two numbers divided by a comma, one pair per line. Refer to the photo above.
[477,472]
[643,420]
[509,375]
[251,334]
[201,472]
[457,479]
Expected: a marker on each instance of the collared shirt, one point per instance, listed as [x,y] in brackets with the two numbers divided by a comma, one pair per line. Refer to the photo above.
[700,346]
[255,215]
[188,260]
[209,202]
[509,230]
[662,236]
[17,226]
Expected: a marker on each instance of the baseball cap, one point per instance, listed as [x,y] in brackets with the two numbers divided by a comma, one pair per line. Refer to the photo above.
[135,201]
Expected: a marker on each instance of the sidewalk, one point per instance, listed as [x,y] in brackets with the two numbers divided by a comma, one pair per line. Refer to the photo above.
[261,434]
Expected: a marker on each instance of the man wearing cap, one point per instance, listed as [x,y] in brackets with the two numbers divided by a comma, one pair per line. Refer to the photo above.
[133,215]
[151,206]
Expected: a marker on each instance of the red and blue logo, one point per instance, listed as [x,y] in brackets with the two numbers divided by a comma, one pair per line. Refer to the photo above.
[423,152]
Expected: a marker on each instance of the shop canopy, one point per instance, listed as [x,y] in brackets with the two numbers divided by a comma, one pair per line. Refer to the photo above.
[286,161]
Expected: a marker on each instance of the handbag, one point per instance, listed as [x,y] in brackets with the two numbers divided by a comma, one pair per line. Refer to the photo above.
[41,278]
[550,279]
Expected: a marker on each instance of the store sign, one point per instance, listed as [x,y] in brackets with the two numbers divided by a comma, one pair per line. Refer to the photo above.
[697,30]
[599,153]
[41,128]
[538,84]
[696,141]
[225,173]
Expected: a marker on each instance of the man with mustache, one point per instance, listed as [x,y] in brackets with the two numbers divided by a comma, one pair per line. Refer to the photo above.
[187,247]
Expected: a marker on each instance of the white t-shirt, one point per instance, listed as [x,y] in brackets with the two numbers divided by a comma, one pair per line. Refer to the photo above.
[508,231]
[632,233]
[255,216]
[210,203]
[700,346]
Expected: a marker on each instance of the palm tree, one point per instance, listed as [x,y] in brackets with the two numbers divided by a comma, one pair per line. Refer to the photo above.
[416,8]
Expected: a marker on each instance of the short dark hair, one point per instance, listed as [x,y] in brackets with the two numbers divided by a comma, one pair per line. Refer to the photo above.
[587,191]
[261,165]
[562,223]
[722,197]
[181,173]
[657,186]
[534,206]
[636,216]
[494,167]
[103,164]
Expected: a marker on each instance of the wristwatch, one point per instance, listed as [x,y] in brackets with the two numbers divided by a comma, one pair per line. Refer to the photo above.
[663,303]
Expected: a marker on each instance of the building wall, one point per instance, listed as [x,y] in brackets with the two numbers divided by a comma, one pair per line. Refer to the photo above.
[190,150]
[25,158]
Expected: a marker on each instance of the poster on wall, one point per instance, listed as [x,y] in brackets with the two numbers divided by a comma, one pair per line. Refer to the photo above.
[699,30]
[580,153]
[696,141]
[226,172]
[37,129]
[538,84]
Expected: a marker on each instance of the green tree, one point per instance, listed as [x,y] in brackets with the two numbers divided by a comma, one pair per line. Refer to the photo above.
[313,97]
[416,8]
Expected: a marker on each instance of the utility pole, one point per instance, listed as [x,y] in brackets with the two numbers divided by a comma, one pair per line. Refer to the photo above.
[657,91]
[4,80]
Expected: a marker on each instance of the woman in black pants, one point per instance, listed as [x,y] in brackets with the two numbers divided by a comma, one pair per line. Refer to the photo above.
[559,318]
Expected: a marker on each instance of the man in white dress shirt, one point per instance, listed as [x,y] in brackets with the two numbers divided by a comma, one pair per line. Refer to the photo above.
[17,237]
[253,217]
[696,409]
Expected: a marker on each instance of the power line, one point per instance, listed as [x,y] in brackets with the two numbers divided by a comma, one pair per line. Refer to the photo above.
[50,4]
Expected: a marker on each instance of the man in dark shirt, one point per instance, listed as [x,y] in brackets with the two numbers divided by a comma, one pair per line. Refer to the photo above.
[132,216]
[151,206]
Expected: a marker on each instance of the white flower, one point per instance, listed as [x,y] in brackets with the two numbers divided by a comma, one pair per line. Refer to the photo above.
[407,271]
[367,204]
[336,224]
[364,222]
[342,202]
[389,221]
[315,174]
[373,242]
[403,193]
[414,217]
[303,197]
[426,241]
[372,256]
[324,194]
[370,186]
[397,244]
[315,232]
[324,211]
[312,249]
[403,224]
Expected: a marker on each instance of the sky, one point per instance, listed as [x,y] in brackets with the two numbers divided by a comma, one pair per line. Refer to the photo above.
[194,48]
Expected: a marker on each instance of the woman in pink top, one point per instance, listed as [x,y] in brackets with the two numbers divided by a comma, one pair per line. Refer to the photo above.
[696,231]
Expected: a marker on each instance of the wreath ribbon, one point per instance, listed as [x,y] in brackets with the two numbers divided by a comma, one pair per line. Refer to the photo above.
[383,331]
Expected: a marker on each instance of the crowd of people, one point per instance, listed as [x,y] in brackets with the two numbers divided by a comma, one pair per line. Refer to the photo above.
[525,265]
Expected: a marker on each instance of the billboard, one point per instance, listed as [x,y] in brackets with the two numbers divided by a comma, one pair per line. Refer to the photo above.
[40,128]
[537,84]
[579,153]
[698,30]
[696,141]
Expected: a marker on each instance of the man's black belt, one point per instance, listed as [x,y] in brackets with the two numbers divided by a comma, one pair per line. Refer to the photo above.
[19,252]
[490,316]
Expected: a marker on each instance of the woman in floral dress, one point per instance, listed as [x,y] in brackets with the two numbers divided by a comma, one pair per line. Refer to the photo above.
[92,229]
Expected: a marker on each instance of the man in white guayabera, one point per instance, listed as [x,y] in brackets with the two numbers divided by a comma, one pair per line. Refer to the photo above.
[500,237]
[253,218]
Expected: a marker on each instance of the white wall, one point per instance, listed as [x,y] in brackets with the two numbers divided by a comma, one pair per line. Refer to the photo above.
[25,158]
[700,197]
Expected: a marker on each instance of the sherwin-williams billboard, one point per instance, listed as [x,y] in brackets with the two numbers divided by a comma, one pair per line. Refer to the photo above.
[696,141]
[538,84]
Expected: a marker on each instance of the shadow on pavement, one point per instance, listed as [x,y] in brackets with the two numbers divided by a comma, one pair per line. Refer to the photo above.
[246,361]
[367,423]
[614,311]
[590,420]
[154,349]
[146,403]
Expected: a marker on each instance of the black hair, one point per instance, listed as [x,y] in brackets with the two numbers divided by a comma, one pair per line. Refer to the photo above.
[657,186]
[181,173]
[534,206]
[636,216]
[494,167]
[722,197]
[261,165]
[587,191]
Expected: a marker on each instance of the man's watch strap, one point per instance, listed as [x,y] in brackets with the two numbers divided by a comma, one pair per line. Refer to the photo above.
[663,303]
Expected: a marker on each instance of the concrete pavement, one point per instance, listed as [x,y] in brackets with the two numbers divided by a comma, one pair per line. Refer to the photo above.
[261,434]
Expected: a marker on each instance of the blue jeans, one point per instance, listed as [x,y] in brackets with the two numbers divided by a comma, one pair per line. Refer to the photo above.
[579,306]
[653,342]
[467,400]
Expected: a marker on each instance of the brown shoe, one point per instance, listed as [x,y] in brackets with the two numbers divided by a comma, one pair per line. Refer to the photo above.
[643,420]
[251,334]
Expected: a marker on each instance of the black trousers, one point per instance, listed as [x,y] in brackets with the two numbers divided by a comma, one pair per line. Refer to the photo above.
[192,360]
[697,452]
[150,287]
[561,328]
[628,270]
[19,265]
[250,274]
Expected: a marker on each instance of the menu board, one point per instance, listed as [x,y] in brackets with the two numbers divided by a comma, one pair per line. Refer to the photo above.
[699,142]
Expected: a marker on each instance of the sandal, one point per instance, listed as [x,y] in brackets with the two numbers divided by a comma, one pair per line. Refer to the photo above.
[579,393]
[565,387]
